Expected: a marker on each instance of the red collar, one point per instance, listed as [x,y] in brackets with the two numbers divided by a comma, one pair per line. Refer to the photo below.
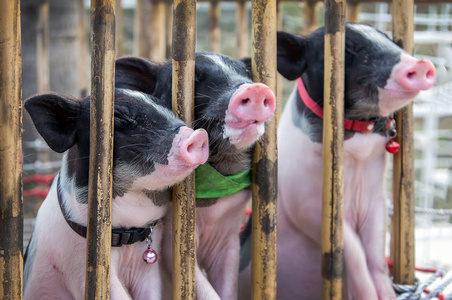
[356,125]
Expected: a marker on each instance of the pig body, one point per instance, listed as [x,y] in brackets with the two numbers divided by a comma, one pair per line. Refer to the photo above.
[379,79]
[232,109]
[152,151]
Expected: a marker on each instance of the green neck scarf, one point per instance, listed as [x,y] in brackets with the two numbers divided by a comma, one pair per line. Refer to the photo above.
[211,184]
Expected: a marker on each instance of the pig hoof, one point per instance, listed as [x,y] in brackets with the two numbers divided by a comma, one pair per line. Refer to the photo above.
[150,256]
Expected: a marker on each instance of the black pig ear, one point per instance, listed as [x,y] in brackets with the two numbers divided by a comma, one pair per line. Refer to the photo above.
[290,55]
[137,74]
[55,117]
[247,62]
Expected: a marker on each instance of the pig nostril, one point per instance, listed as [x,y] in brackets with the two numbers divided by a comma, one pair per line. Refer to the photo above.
[411,75]
[245,101]
[430,74]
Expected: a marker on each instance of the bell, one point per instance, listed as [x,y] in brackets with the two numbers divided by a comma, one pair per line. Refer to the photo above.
[392,146]
[150,256]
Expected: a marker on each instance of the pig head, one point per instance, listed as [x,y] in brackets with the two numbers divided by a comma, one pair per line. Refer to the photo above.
[233,110]
[153,150]
[379,79]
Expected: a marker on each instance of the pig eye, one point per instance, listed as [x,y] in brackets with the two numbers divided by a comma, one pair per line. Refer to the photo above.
[122,118]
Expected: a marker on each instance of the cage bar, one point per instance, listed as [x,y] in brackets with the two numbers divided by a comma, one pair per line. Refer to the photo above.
[157,33]
[214,26]
[333,151]
[265,164]
[403,169]
[242,28]
[184,243]
[98,239]
[11,201]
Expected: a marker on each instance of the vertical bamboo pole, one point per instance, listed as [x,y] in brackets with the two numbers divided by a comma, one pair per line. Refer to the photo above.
[158,34]
[119,29]
[169,27]
[83,52]
[214,26]
[310,16]
[11,202]
[265,165]
[42,48]
[140,28]
[353,12]
[242,29]
[333,156]
[403,170]
[101,150]
[184,244]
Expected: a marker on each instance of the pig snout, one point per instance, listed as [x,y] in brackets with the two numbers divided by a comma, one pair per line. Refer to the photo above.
[412,75]
[252,103]
[415,75]
[193,146]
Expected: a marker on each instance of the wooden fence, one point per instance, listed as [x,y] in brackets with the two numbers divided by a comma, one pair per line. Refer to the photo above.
[264,23]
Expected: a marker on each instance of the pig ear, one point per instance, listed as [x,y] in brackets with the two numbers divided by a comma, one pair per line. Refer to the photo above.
[55,118]
[137,74]
[247,62]
[290,55]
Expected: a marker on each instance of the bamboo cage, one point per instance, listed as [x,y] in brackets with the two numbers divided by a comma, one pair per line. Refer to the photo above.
[183,20]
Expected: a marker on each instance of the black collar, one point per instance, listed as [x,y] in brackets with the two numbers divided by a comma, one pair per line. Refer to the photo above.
[119,237]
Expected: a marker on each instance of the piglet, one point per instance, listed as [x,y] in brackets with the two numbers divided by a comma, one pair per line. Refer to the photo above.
[153,150]
[380,78]
[233,110]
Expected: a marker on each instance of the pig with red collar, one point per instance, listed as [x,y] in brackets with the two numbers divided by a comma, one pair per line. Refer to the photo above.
[233,110]
[153,150]
[380,78]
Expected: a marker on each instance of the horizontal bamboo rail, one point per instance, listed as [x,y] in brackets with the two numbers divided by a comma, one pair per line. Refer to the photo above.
[98,239]
[11,205]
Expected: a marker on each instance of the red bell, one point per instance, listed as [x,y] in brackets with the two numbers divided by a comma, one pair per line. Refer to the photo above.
[392,146]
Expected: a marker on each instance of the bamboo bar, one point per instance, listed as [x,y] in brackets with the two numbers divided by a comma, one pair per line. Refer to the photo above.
[242,29]
[101,150]
[310,17]
[11,201]
[83,74]
[140,36]
[333,156]
[119,29]
[214,26]
[265,164]
[169,27]
[42,48]
[403,170]
[184,243]
[353,12]
[157,33]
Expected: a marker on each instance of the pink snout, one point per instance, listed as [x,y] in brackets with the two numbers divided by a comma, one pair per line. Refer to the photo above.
[194,146]
[252,103]
[415,75]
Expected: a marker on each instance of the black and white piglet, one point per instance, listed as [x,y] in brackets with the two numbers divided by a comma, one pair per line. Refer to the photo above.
[379,79]
[153,150]
[233,110]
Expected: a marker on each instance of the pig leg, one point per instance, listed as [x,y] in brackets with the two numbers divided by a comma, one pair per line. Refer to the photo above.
[358,282]
[204,290]
[372,234]
[223,274]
